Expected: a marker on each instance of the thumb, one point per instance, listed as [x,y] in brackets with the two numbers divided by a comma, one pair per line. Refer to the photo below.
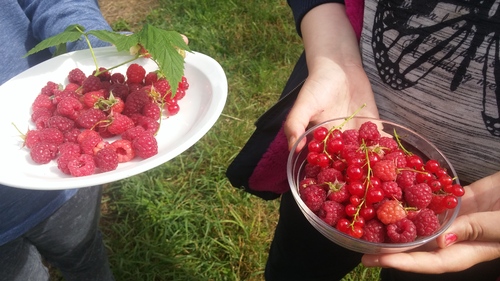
[296,124]
[480,226]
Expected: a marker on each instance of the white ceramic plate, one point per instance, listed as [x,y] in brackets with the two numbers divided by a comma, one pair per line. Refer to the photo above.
[199,110]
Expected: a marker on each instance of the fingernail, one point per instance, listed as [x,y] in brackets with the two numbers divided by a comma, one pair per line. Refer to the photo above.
[450,238]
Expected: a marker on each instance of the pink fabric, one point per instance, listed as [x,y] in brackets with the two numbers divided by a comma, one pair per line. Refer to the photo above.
[270,173]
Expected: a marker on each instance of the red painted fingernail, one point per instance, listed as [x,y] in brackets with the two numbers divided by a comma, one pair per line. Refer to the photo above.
[450,238]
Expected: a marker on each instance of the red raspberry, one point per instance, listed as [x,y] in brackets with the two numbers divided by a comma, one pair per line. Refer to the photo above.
[90,143]
[406,179]
[150,78]
[117,78]
[149,124]
[76,76]
[403,231]
[418,195]
[61,123]
[313,196]
[43,101]
[398,157]
[436,204]
[385,170]
[151,110]
[41,112]
[43,152]
[89,99]
[426,222]
[119,123]
[124,150]
[388,143]
[311,171]
[51,135]
[351,137]
[392,190]
[104,74]
[338,192]
[330,212]
[369,132]
[49,88]
[91,83]
[119,91]
[71,135]
[69,148]
[106,159]
[306,182]
[82,166]
[135,74]
[88,118]
[390,211]
[162,87]
[329,175]
[63,160]
[31,138]
[59,95]
[69,107]
[135,102]
[133,133]
[145,146]
[374,231]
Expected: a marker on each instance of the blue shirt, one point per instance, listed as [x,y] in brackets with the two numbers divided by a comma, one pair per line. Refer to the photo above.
[24,24]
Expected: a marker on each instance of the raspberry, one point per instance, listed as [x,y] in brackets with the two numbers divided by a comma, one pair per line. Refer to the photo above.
[135,74]
[89,143]
[41,112]
[162,87]
[135,102]
[313,196]
[351,137]
[104,74]
[51,135]
[150,78]
[392,190]
[388,144]
[69,148]
[66,93]
[76,76]
[43,152]
[106,159]
[329,175]
[88,118]
[151,110]
[49,88]
[311,171]
[374,231]
[145,146]
[133,133]
[82,166]
[119,123]
[119,91]
[63,160]
[124,150]
[89,99]
[436,204]
[426,222]
[43,101]
[149,124]
[61,123]
[368,131]
[385,170]
[91,83]
[390,211]
[398,157]
[117,78]
[406,179]
[41,122]
[71,135]
[418,195]
[31,138]
[306,182]
[331,211]
[69,107]
[338,192]
[403,231]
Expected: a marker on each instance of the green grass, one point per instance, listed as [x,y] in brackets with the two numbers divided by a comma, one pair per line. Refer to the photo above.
[183,220]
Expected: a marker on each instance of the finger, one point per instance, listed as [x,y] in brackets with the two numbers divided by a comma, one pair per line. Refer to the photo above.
[473,227]
[296,123]
[456,258]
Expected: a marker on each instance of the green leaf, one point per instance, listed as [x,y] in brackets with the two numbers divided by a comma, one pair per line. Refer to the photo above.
[163,47]
[72,33]
[122,42]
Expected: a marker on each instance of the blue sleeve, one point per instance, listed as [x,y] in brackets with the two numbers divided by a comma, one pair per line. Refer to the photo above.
[51,17]
[301,7]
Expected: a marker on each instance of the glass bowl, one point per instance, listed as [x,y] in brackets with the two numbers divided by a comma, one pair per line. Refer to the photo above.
[411,140]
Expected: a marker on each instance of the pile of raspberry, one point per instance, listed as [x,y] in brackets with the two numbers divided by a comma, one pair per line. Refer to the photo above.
[97,121]
[370,187]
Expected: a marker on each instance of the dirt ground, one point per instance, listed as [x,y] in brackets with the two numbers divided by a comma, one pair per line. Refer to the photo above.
[128,10]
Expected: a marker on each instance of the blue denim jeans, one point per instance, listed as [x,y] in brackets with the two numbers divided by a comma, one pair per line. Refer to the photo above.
[69,240]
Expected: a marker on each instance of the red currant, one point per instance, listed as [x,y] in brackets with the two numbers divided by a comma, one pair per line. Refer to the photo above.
[320,133]
[432,166]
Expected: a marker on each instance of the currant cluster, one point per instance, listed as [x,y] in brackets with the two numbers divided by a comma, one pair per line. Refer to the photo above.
[97,121]
[371,187]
